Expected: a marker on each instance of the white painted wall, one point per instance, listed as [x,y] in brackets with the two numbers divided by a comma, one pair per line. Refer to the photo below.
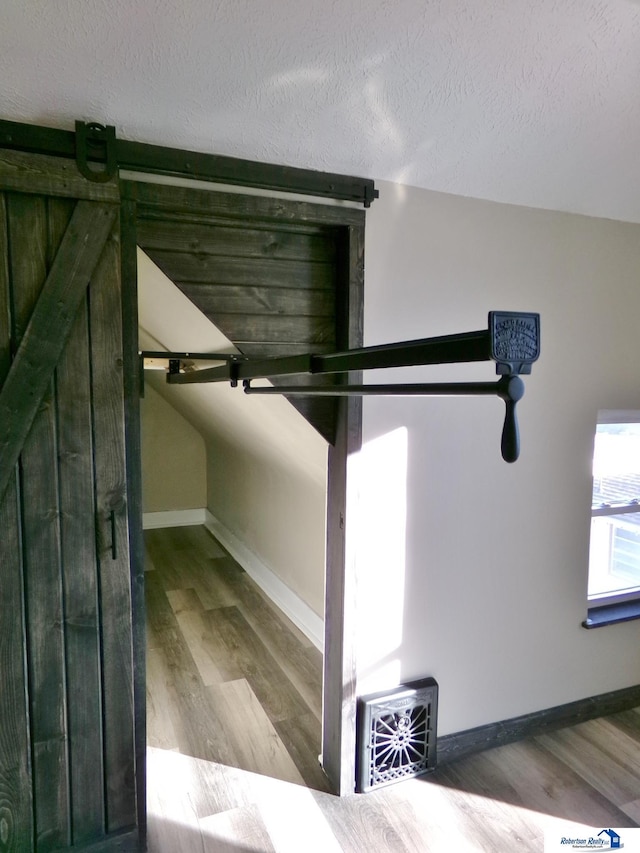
[472,570]
[275,505]
[174,458]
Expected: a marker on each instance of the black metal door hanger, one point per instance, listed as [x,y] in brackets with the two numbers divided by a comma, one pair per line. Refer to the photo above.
[512,340]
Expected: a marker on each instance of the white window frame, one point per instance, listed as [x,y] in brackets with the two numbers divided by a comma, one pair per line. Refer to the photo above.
[614,416]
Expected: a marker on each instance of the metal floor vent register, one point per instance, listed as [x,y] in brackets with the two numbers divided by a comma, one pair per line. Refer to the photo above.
[397,734]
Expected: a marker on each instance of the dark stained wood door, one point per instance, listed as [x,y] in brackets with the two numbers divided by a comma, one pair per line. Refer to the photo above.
[67,739]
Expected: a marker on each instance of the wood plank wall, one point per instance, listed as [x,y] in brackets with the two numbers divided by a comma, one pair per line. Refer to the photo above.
[268,282]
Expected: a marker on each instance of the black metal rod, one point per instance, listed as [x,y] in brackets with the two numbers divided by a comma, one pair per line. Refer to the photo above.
[508,388]
[448,349]
[429,389]
[159,160]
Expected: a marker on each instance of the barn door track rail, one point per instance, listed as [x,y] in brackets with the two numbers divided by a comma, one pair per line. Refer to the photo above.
[99,155]
[512,341]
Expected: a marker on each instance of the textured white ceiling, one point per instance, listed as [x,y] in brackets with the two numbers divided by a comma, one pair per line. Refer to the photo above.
[534,102]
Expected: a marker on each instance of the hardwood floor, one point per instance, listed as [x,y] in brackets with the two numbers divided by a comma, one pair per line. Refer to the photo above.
[230,679]
[234,705]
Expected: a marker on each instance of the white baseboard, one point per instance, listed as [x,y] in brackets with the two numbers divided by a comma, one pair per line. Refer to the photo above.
[311,625]
[173,518]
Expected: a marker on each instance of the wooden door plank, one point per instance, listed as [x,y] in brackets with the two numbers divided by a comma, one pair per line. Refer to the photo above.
[239,207]
[238,241]
[16,807]
[51,176]
[42,557]
[80,581]
[40,349]
[214,299]
[256,327]
[5,291]
[28,227]
[27,218]
[112,521]
[242,271]
[267,349]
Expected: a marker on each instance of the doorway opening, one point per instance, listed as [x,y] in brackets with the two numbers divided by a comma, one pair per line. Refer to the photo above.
[231,679]
[308,303]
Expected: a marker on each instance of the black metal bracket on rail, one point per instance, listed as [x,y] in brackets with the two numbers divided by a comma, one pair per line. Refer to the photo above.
[512,341]
[97,144]
[178,361]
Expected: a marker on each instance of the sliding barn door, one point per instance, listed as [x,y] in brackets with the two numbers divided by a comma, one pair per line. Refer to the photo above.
[67,745]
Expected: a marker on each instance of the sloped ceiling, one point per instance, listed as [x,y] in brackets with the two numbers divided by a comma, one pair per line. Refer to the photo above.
[533,103]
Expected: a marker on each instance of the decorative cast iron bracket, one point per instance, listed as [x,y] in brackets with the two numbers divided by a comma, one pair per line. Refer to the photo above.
[512,341]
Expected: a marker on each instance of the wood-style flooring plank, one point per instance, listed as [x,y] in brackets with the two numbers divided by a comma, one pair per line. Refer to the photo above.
[628,722]
[197,728]
[209,787]
[293,819]
[273,689]
[632,810]
[236,830]
[195,539]
[160,730]
[158,547]
[549,786]
[301,736]
[184,560]
[208,656]
[212,589]
[172,821]
[360,823]
[255,741]
[302,664]
[599,759]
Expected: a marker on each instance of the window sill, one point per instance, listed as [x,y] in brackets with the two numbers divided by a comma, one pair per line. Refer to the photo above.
[611,614]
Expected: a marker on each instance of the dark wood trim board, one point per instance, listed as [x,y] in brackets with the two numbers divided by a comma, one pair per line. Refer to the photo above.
[460,744]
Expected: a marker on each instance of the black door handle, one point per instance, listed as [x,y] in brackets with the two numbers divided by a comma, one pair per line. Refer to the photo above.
[114,550]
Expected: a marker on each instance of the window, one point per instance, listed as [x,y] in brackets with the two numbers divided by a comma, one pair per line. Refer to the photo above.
[614,552]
